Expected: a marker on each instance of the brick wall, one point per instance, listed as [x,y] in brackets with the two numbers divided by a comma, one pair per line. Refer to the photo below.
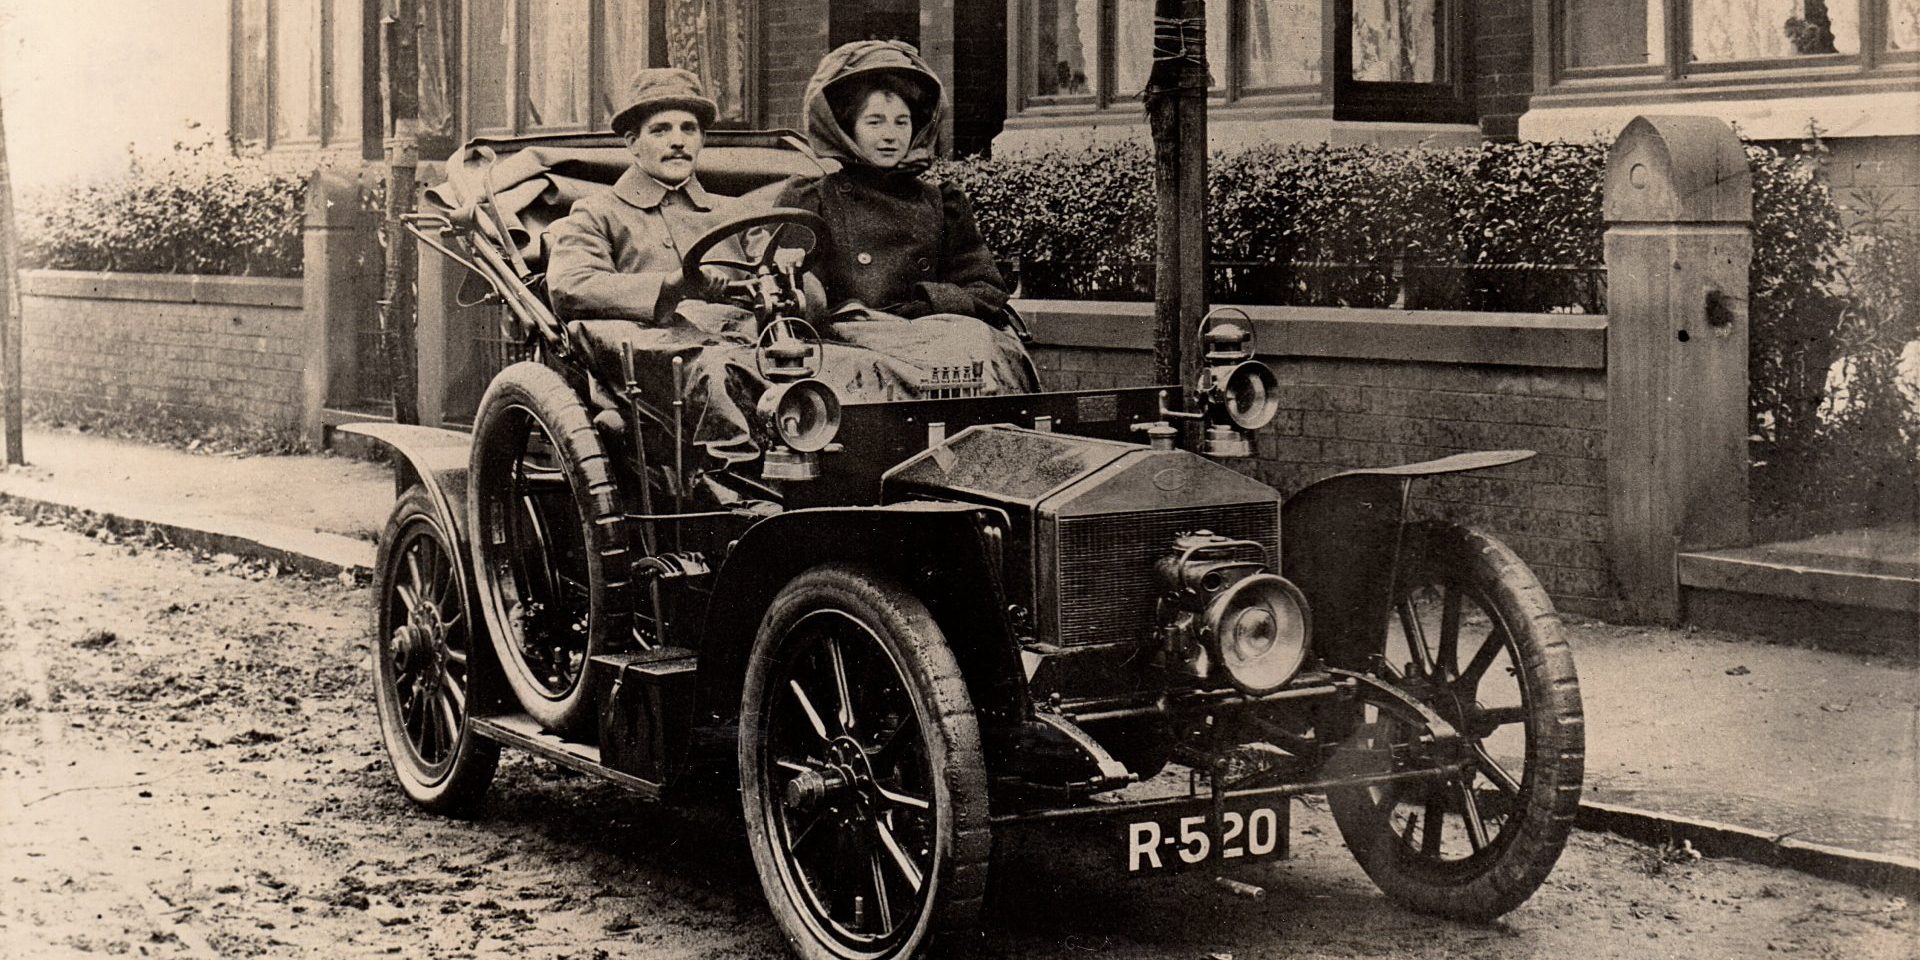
[1375,388]
[215,350]
[793,39]
[1501,71]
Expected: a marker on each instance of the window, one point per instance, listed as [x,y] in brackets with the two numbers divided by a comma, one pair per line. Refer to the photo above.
[1616,36]
[1099,53]
[296,69]
[563,65]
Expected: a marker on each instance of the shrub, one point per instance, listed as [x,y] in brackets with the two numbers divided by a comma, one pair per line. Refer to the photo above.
[196,210]
[1517,226]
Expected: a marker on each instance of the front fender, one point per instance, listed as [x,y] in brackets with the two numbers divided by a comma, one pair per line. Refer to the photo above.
[1340,543]
[948,554]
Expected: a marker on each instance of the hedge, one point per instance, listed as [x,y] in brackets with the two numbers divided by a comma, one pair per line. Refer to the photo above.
[198,210]
[1513,226]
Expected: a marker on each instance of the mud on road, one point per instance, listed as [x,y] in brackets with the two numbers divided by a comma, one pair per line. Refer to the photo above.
[189,768]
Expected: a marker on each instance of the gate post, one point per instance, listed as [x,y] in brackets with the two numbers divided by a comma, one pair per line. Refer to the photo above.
[335,292]
[1679,242]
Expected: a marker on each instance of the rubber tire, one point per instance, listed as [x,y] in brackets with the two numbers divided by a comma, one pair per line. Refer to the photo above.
[1551,785]
[458,790]
[943,709]
[598,510]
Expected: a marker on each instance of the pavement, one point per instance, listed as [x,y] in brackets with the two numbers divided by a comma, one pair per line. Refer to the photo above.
[1733,745]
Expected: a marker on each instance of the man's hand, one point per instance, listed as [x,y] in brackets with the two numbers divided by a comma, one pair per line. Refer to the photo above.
[707,283]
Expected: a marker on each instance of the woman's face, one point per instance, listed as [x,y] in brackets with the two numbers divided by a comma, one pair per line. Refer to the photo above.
[883,129]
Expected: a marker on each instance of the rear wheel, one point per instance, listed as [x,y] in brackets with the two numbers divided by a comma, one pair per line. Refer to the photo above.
[550,545]
[1473,637]
[860,768]
[424,662]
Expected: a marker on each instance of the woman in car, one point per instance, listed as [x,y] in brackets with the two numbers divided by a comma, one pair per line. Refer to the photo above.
[906,272]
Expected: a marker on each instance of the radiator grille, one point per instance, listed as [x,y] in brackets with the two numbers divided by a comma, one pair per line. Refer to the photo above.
[1107,585]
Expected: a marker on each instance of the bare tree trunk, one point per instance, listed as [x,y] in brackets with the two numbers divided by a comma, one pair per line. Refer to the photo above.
[398,305]
[1177,114]
[10,320]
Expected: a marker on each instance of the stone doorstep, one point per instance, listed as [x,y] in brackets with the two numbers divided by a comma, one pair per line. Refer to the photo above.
[1831,580]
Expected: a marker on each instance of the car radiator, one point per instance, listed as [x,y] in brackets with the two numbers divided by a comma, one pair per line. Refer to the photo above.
[1107,588]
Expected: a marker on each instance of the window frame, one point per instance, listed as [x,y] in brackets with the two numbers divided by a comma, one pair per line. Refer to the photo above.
[334,135]
[1552,71]
[599,76]
[1445,101]
[1441,101]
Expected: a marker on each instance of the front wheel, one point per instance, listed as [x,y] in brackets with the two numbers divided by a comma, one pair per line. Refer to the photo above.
[860,769]
[1474,637]
[424,662]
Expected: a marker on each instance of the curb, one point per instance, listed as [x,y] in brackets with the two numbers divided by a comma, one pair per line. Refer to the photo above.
[306,551]
[1879,871]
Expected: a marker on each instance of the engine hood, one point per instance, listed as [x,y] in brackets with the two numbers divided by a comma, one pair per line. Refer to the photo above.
[1063,476]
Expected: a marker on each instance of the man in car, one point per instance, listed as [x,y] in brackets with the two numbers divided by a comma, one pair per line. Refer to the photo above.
[615,262]
[618,254]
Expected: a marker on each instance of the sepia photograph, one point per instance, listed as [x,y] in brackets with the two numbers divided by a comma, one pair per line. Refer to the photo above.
[894,479]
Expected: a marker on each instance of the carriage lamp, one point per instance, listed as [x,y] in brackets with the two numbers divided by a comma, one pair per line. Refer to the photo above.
[801,413]
[1224,614]
[1239,393]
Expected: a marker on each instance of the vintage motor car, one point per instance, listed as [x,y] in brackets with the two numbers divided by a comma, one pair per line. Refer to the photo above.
[914,623]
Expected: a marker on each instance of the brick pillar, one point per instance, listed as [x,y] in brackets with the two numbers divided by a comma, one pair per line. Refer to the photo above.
[1679,207]
[339,286]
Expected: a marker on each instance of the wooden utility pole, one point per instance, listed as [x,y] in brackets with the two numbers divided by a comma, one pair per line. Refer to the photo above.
[10,320]
[1177,115]
[400,32]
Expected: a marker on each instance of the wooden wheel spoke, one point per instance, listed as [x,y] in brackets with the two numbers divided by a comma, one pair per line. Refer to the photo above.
[416,580]
[806,708]
[899,799]
[882,904]
[837,661]
[1416,638]
[454,691]
[408,596]
[908,871]
[457,657]
[1493,771]
[1448,658]
[1436,816]
[1469,679]
[1470,812]
[449,719]
[1493,718]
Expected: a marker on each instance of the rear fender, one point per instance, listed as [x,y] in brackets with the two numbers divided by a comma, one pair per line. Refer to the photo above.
[948,554]
[1340,543]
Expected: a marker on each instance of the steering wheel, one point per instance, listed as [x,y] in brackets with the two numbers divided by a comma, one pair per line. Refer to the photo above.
[792,229]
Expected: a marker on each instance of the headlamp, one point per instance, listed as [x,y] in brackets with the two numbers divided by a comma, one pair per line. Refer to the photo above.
[1257,631]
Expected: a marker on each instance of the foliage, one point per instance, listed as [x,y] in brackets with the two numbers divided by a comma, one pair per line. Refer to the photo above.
[1857,454]
[198,210]
[1513,226]
[1091,209]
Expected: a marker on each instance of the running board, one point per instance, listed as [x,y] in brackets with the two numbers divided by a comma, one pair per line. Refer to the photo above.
[521,732]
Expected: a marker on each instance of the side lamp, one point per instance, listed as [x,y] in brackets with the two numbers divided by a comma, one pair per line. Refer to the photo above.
[1238,393]
[800,413]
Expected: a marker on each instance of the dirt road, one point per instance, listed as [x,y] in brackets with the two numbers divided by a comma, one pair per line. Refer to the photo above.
[189,768]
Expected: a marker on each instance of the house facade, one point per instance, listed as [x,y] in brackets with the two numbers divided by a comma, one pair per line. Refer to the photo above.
[1026,74]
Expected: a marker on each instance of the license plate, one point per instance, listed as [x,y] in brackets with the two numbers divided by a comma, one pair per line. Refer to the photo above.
[1188,836]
